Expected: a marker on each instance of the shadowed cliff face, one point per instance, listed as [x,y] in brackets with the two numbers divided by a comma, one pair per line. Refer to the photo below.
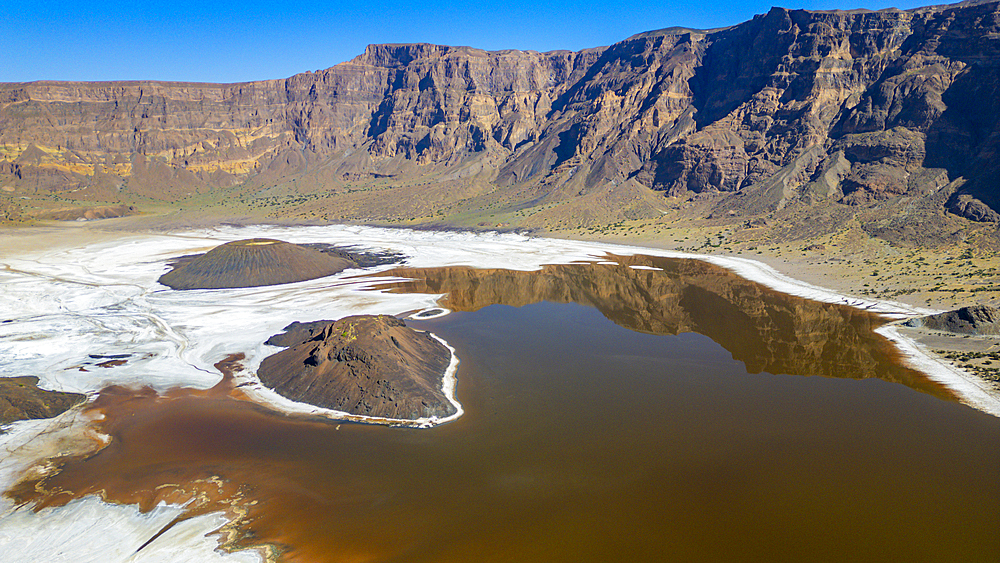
[793,107]
[767,330]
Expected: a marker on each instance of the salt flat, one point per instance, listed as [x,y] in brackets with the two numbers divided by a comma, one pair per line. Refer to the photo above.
[67,303]
[64,304]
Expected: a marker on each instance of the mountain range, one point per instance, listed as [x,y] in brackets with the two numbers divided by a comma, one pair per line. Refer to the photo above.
[811,118]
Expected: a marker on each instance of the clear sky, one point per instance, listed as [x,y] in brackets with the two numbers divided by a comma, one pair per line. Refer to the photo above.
[210,41]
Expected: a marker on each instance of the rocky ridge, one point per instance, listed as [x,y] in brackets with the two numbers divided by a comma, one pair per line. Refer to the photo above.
[890,117]
[974,319]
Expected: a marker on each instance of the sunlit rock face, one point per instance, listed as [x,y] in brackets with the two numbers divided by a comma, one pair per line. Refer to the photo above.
[252,263]
[820,108]
[370,365]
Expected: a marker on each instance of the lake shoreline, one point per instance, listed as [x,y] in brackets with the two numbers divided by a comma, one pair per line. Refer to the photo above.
[478,250]
[790,277]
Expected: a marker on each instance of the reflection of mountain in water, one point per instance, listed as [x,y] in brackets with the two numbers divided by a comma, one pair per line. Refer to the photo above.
[252,263]
[767,330]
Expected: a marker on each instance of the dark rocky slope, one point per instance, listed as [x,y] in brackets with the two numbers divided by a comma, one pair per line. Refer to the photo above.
[975,319]
[846,114]
[21,399]
[252,263]
[364,365]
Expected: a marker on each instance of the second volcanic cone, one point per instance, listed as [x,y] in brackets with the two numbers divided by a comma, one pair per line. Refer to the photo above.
[252,263]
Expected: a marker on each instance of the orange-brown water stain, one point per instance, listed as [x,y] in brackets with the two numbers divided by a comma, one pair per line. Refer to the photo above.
[681,455]
[206,450]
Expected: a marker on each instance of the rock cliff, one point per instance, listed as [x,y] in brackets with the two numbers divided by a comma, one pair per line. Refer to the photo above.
[792,109]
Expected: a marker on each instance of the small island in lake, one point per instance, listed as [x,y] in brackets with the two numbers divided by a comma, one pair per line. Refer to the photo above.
[369,365]
[252,263]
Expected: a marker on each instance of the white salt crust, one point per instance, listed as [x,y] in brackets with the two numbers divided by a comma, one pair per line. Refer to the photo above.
[103,299]
[89,530]
[67,303]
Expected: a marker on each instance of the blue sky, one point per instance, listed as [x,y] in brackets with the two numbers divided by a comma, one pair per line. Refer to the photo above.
[253,40]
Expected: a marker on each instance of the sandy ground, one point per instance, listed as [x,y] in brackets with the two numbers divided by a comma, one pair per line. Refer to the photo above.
[978,355]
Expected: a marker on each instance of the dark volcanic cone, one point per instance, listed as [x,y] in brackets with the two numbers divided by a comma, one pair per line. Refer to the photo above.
[252,263]
[366,365]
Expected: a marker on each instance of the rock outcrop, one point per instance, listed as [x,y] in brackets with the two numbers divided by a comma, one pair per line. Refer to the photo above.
[974,319]
[21,399]
[252,263]
[848,110]
[364,365]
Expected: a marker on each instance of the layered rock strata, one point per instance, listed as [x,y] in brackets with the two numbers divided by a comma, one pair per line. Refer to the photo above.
[835,110]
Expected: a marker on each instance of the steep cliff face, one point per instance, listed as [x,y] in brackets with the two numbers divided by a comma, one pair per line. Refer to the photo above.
[793,107]
[444,103]
[849,107]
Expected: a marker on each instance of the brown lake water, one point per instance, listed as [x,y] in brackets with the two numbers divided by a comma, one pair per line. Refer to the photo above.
[610,414]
